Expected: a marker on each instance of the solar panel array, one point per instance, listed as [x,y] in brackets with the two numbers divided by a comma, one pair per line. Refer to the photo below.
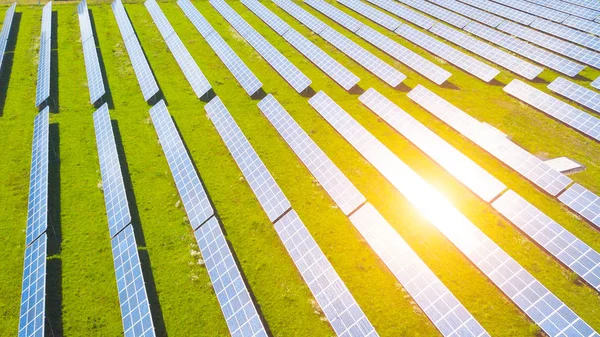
[573,117]
[372,63]
[460,166]
[140,65]
[583,202]
[586,97]
[544,308]
[33,291]
[526,164]
[583,24]
[43,79]
[537,10]
[344,77]
[566,7]
[501,10]
[37,209]
[90,54]
[184,59]
[338,305]
[236,66]
[234,298]
[470,12]
[567,33]
[448,315]
[5,33]
[280,63]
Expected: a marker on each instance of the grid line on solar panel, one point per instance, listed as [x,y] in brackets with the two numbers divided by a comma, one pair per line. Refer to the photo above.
[567,33]
[516,283]
[92,69]
[534,53]
[37,208]
[133,299]
[280,63]
[160,20]
[115,198]
[336,15]
[374,15]
[270,196]
[583,202]
[301,15]
[571,116]
[534,9]
[5,33]
[458,165]
[596,83]
[565,7]
[470,12]
[140,65]
[565,48]
[501,10]
[583,24]
[526,164]
[275,22]
[43,78]
[563,245]
[191,191]
[202,25]
[33,290]
[344,314]
[577,93]
[438,12]
[591,4]
[405,13]
[234,298]
[339,188]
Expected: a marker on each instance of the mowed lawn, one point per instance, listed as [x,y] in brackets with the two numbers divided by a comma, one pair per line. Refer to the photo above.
[82,295]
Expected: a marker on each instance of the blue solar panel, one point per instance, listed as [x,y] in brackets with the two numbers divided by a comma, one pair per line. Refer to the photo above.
[90,55]
[569,34]
[33,291]
[191,191]
[301,15]
[583,24]
[133,299]
[470,12]
[335,14]
[4,34]
[584,96]
[276,23]
[202,25]
[565,7]
[501,10]
[37,209]
[583,202]
[438,12]
[85,24]
[43,79]
[531,8]
[596,83]
[405,13]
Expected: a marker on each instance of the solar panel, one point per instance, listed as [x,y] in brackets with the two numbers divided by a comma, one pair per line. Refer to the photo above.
[338,305]
[470,12]
[573,117]
[566,247]
[592,4]
[339,188]
[569,34]
[526,164]
[584,96]
[270,196]
[236,66]
[568,49]
[583,202]
[458,165]
[409,15]
[541,11]
[140,65]
[5,33]
[37,208]
[115,198]
[231,291]
[133,299]
[43,79]
[276,23]
[566,7]
[160,20]
[437,12]
[33,290]
[541,56]
[596,83]
[301,15]
[191,191]
[583,24]
[335,14]
[502,11]
[374,15]
[90,55]
[552,315]
[85,24]
[280,63]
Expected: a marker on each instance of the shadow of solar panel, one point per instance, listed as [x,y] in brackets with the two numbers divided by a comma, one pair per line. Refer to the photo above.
[33,291]
[6,27]
[237,306]
[338,305]
[583,24]
[524,290]
[339,188]
[583,202]
[567,33]
[563,245]
[280,63]
[278,25]
[501,10]
[43,78]
[526,164]
[301,15]
[37,209]
[203,26]
[531,8]
[541,56]
[115,198]
[458,165]
[405,13]
[438,12]
[140,65]
[336,15]
[577,93]
[133,299]
[191,191]
[571,116]
[270,196]
[596,83]
[470,12]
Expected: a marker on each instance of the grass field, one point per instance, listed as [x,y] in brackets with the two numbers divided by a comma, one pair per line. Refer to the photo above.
[82,295]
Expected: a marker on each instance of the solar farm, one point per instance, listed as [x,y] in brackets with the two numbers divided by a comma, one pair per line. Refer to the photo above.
[352,168]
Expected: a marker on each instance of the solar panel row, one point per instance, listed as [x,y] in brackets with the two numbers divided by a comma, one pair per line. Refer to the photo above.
[586,97]
[234,298]
[537,10]
[567,33]
[501,10]
[583,202]
[32,314]
[449,316]
[583,24]
[344,77]
[592,4]
[470,12]
[280,63]
[140,65]
[188,66]
[90,54]
[5,33]
[544,308]
[565,7]
[372,63]
[573,117]
[43,78]
[596,83]
[437,12]
[236,66]
[503,149]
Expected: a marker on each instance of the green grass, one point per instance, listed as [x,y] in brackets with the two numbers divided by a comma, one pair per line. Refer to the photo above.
[86,303]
